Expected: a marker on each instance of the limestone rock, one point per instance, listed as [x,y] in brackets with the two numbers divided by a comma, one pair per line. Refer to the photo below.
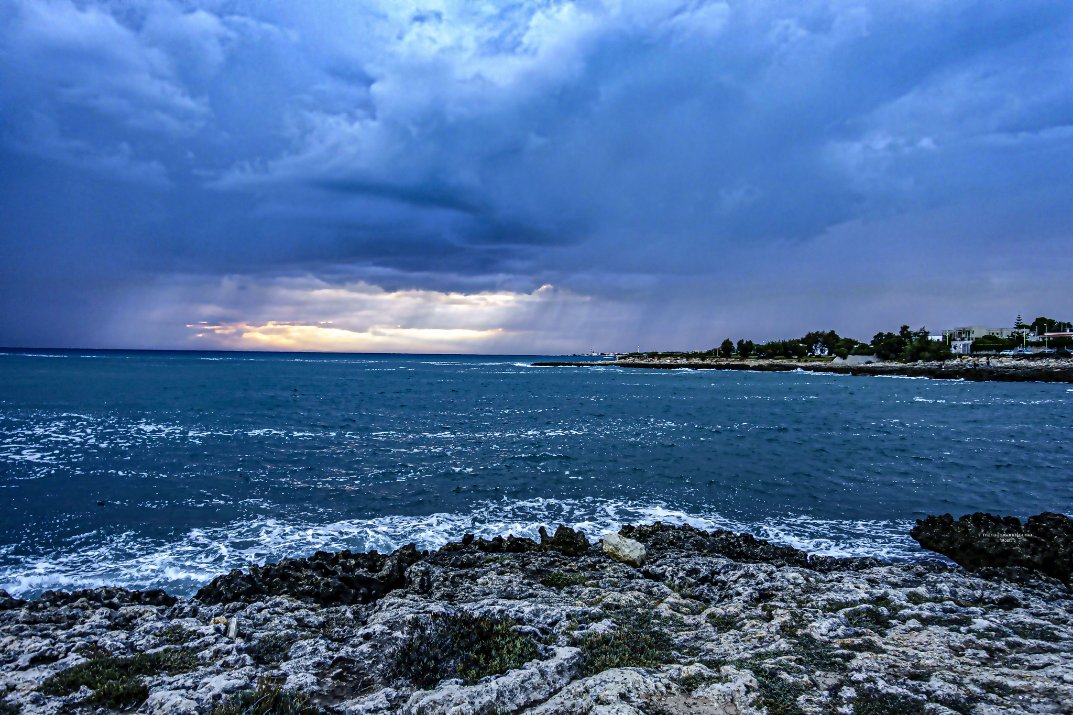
[713,622]
[625,550]
[170,702]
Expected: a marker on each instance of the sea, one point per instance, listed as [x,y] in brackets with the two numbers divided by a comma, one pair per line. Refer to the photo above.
[165,469]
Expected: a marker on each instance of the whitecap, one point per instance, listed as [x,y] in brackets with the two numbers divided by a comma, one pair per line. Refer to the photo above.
[190,559]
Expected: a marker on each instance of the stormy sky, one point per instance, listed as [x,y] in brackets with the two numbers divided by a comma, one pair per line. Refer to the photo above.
[530,176]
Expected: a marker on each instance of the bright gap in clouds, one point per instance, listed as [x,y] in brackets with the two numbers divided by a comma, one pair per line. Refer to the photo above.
[324,338]
[307,315]
[700,169]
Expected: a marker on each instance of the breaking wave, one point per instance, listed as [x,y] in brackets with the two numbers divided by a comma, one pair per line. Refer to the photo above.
[180,565]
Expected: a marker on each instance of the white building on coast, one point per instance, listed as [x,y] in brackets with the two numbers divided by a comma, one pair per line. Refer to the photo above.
[974,332]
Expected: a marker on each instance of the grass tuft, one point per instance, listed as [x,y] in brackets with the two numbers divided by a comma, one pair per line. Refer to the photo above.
[177,635]
[636,642]
[462,645]
[116,682]
[777,695]
[267,698]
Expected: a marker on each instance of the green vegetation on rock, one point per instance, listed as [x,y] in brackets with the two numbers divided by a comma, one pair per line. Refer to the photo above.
[724,621]
[635,641]
[267,698]
[117,682]
[273,647]
[869,617]
[877,702]
[776,694]
[564,579]
[461,645]
[177,635]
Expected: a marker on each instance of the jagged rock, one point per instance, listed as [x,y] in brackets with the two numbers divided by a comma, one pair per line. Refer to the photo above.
[660,538]
[7,602]
[107,597]
[1044,543]
[323,578]
[691,631]
[625,550]
[496,545]
[630,691]
[566,541]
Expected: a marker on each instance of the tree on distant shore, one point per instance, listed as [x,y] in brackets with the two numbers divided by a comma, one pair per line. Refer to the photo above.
[745,348]
[782,349]
[819,342]
[1044,324]
[888,346]
[909,346]
[726,348]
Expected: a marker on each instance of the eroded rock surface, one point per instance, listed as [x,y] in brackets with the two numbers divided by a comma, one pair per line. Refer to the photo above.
[711,623]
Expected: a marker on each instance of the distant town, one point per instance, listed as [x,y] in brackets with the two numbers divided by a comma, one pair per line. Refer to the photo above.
[1042,336]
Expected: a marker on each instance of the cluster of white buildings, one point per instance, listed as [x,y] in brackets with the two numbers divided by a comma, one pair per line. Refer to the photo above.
[960,339]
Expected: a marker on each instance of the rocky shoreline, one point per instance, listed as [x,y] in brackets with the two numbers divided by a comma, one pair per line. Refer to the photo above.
[1000,369]
[656,619]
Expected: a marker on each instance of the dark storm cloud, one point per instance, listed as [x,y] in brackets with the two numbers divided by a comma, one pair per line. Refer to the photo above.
[696,168]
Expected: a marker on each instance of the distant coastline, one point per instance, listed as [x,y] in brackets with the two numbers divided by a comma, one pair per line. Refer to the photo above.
[997,369]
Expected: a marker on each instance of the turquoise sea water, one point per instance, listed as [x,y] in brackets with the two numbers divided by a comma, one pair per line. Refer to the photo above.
[165,469]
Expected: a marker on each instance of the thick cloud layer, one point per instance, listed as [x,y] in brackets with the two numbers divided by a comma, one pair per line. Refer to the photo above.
[334,175]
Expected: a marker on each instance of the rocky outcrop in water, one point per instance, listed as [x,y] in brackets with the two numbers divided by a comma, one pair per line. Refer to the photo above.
[712,622]
[1044,543]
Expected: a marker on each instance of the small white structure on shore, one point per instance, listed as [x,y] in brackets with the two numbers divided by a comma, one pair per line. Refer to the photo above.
[855,360]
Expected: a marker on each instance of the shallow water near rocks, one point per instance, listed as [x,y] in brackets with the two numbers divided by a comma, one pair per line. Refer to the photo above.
[165,469]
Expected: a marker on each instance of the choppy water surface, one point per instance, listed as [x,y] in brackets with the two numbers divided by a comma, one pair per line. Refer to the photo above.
[206,462]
